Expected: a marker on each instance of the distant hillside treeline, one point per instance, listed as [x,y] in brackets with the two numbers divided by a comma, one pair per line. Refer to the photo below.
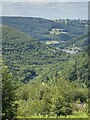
[40,28]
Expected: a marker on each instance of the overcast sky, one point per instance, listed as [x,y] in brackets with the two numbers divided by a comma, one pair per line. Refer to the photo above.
[45,0]
[46,9]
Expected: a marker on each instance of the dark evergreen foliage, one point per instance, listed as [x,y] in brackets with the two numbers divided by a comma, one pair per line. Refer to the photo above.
[9,107]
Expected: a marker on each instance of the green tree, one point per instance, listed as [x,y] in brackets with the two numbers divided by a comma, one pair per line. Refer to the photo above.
[25,93]
[9,107]
[62,107]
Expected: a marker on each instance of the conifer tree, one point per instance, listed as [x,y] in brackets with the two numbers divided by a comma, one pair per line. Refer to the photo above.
[9,107]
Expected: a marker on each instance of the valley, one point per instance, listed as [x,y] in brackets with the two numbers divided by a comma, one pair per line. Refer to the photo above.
[48,61]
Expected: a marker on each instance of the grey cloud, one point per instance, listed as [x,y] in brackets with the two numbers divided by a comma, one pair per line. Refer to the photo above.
[49,10]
